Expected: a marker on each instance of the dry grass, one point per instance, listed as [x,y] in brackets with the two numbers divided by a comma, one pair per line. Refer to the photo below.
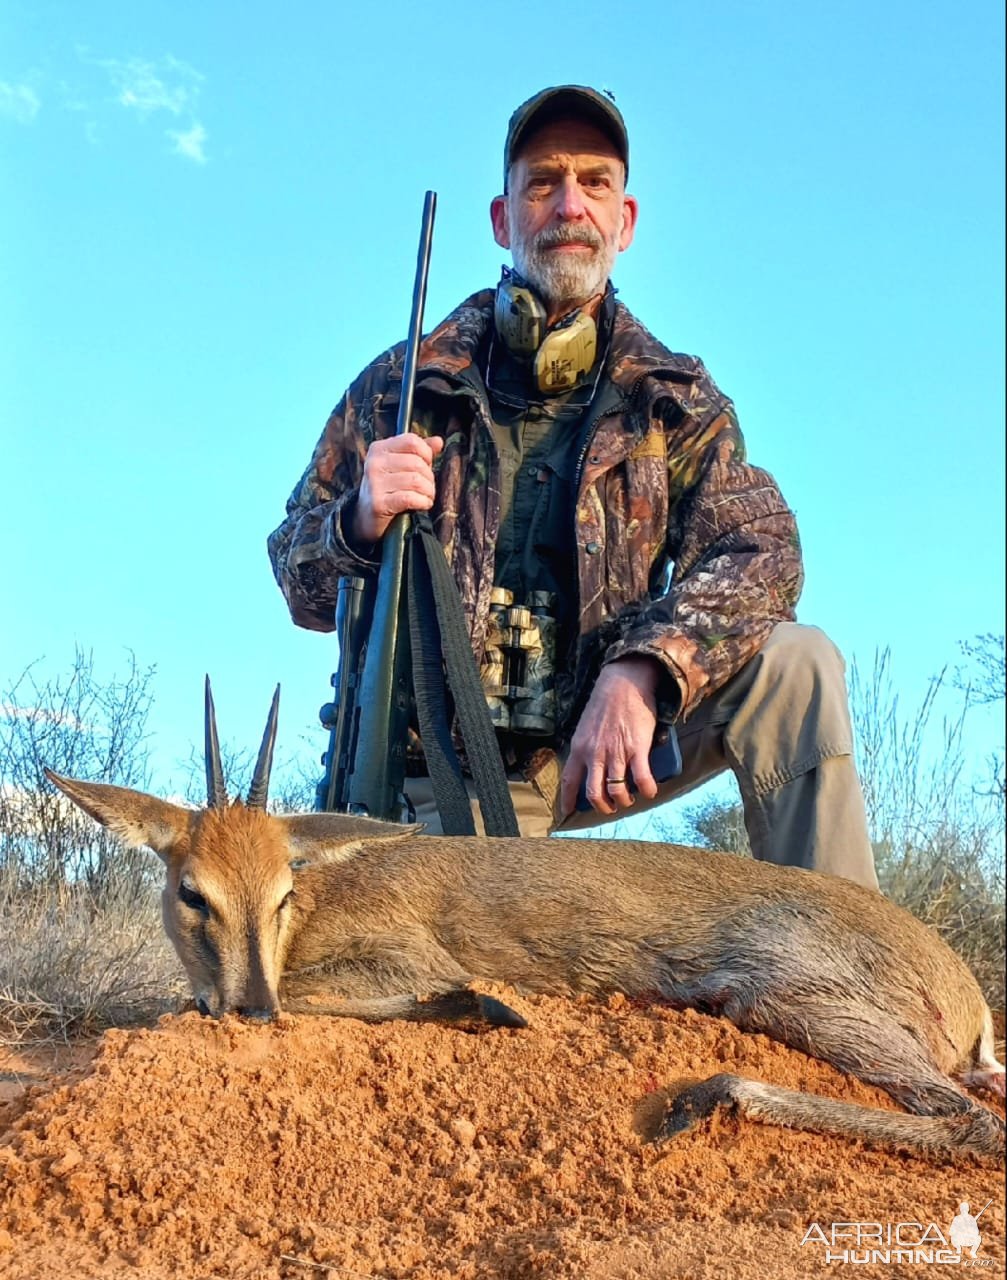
[936,814]
[81,943]
[962,898]
[70,965]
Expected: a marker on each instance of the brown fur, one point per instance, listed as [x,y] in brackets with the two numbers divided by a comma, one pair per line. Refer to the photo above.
[378,918]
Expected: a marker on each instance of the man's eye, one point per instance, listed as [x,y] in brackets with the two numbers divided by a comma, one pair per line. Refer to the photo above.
[193,899]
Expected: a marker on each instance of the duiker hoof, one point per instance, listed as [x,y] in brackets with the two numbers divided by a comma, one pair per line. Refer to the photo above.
[695,1103]
[471,1011]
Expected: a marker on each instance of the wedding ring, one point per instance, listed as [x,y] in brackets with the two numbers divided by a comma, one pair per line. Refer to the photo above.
[615,782]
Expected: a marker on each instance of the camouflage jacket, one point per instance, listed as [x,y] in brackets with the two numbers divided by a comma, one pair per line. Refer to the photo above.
[685,552]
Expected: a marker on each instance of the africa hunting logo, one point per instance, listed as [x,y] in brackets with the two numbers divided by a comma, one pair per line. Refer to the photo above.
[901,1242]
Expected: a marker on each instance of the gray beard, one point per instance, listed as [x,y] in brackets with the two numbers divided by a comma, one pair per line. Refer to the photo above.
[564,279]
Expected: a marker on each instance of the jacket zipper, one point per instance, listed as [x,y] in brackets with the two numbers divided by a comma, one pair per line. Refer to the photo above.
[624,403]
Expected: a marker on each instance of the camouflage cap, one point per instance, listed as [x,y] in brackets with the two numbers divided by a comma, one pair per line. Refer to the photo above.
[566,100]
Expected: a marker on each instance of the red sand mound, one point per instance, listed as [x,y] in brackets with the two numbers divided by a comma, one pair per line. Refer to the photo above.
[316,1147]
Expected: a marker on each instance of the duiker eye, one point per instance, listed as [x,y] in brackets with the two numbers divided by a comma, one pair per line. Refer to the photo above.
[193,899]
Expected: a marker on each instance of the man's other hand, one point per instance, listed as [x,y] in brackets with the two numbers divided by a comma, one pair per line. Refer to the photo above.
[613,738]
[398,476]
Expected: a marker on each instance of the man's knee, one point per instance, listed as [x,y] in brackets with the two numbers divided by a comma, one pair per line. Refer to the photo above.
[793,710]
[796,654]
[804,664]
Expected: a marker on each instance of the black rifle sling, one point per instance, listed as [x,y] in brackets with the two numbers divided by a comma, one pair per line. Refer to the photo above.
[432,701]
[440,640]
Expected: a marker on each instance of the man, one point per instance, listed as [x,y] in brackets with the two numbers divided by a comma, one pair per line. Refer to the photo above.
[568,457]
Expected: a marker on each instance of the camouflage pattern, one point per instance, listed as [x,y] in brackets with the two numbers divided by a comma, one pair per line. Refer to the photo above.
[493,668]
[535,698]
[664,489]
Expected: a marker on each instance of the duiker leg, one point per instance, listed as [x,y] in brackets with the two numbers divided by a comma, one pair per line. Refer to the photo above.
[461,1008]
[382,987]
[945,1119]
[974,1129]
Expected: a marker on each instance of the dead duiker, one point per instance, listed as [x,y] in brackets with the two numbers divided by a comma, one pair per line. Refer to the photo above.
[386,922]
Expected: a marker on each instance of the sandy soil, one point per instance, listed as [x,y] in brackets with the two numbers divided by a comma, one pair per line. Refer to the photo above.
[316,1148]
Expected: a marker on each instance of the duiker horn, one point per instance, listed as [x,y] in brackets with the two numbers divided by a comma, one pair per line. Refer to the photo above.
[259,790]
[216,792]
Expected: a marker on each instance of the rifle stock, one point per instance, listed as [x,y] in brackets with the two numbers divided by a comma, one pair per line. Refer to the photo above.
[369,718]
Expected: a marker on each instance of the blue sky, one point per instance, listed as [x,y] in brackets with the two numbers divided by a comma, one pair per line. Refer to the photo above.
[209,226]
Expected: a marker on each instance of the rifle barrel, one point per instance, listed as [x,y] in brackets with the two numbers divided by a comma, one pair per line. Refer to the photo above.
[404,421]
[378,767]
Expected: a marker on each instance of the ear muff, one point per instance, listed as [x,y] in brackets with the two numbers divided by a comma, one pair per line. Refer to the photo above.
[567,354]
[563,354]
[520,317]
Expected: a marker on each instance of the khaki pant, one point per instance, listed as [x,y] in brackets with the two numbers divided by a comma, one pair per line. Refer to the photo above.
[782,725]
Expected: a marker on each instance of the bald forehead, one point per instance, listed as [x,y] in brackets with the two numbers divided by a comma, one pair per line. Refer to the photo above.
[559,140]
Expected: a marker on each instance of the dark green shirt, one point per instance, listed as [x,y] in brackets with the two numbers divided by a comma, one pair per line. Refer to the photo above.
[538,439]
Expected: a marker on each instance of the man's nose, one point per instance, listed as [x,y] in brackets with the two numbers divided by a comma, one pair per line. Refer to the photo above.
[571,199]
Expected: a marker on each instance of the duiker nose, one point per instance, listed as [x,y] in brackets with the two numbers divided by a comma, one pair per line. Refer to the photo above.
[258,1014]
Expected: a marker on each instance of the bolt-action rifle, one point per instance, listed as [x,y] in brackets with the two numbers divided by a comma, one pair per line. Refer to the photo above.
[368,718]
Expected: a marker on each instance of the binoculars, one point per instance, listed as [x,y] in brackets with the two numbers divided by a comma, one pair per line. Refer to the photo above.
[519,663]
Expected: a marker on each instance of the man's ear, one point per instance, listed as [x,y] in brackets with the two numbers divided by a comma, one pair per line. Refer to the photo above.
[500,218]
[135,817]
[630,212]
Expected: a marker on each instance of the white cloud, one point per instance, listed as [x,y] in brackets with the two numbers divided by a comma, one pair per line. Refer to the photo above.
[190,143]
[144,87]
[164,89]
[18,102]
[168,85]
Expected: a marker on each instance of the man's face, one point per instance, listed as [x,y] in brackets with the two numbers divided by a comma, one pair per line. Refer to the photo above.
[566,214]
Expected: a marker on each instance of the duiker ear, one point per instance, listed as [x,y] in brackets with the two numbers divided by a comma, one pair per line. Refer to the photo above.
[334,837]
[135,817]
